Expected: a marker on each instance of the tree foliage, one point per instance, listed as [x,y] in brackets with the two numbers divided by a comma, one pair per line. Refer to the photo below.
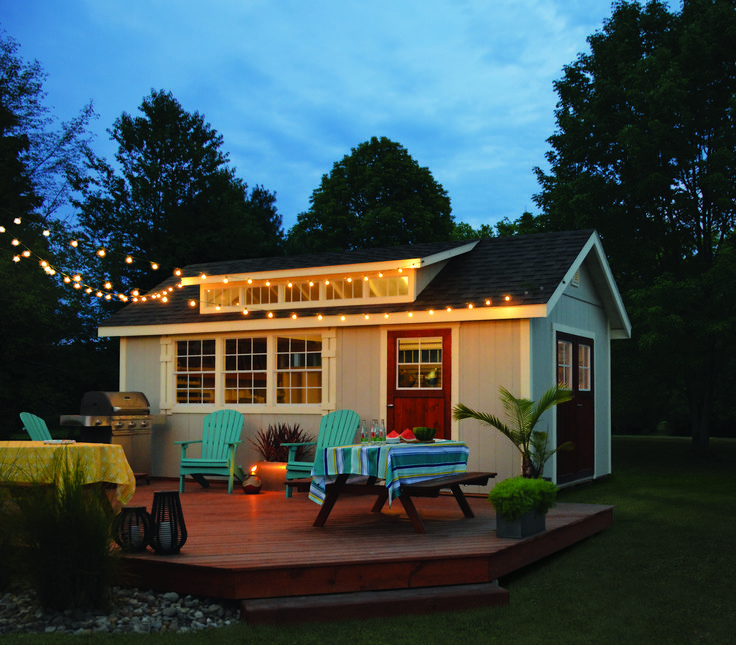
[172,199]
[645,152]
[376,196]
[46,363]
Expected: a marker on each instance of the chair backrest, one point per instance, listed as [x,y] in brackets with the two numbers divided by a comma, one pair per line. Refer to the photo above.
[338,428]
[35,426]
[219,429]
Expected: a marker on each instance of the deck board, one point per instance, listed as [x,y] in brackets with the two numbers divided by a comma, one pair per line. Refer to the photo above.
[243,547]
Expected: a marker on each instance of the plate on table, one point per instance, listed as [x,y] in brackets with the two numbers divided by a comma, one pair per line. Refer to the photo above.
[58,442]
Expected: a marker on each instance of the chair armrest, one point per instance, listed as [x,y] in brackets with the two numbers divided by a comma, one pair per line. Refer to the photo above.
[184,445]
[293,447]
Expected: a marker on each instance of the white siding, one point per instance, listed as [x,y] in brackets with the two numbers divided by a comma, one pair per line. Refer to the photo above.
[580,312]
[490,356]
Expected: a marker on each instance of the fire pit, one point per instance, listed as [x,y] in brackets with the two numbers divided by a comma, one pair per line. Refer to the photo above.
[117,417]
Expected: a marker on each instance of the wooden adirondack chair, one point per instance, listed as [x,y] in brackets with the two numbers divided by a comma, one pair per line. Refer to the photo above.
[337,428]
[220,438]
[35,426]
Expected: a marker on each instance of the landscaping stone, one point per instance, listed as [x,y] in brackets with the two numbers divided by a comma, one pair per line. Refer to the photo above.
[132,611]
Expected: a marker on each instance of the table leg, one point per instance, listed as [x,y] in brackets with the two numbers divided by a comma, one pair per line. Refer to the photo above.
[411,511]
[461,500]
[332,492]
[380,501]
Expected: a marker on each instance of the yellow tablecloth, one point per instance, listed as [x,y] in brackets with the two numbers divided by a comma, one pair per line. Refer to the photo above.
[28,462]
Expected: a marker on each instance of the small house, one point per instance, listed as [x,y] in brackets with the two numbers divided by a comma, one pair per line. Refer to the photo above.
[401,334]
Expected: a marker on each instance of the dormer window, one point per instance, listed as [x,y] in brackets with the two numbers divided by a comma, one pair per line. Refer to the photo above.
[282,294]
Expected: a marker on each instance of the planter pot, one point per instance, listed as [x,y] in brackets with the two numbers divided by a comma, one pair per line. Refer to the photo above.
[272,475]
[528,524]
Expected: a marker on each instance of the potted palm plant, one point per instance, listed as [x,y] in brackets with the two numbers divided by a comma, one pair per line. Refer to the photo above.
[521,506]
[523,415]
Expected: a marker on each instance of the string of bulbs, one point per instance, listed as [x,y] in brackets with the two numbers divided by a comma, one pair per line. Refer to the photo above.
[106,291]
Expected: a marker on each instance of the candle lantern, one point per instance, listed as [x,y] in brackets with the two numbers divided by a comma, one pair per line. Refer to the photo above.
[132,529]
[169,531]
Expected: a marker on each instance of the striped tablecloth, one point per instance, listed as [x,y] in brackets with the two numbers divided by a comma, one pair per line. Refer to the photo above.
[31,462]
[397,464]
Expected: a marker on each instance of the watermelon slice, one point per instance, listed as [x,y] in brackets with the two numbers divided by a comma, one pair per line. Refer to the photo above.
[408,436]
[393,435]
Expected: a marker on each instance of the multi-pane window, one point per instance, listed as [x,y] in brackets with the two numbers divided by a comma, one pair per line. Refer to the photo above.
[299,369]
[245,375]
[387,287]
[564,364]
[263,295]
[419,363]
[301,291]
[585,365]
[228,297]
[343,289]
[195,371]
[258,370]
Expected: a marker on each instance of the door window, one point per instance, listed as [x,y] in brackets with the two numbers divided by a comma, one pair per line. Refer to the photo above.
[564,364]
[419,363]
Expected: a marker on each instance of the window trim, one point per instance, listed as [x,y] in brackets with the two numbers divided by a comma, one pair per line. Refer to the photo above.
[209,301]
[271,406]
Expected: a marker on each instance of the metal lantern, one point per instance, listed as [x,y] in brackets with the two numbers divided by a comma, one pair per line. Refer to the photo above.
[169,531]
[132,528]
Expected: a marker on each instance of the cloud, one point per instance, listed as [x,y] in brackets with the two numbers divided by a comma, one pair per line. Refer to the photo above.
[464,85]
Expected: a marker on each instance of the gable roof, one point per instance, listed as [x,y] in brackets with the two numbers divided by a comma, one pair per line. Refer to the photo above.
[530,269]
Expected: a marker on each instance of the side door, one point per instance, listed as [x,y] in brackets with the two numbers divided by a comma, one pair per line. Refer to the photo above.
[576,418]
[419,380]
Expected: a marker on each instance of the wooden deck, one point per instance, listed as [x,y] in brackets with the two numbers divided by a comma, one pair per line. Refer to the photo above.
[263,550]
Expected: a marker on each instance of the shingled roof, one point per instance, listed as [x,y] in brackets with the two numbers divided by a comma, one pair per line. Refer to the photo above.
[528,268]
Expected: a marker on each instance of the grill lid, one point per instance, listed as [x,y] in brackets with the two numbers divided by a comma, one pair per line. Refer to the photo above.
[114,403]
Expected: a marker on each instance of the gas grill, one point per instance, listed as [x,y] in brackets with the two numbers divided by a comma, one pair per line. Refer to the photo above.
[117,417]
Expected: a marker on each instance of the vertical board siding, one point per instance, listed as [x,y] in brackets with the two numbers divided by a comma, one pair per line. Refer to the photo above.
[489,358]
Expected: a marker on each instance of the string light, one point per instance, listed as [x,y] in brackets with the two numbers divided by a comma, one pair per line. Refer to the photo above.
[78,282]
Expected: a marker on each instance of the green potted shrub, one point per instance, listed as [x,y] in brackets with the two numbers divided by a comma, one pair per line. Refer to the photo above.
[521,506]
[523,415]
[271,469]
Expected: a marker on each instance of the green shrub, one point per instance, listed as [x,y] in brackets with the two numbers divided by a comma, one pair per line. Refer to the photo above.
[518,495]
[9,539]
[269,442]
[66,531]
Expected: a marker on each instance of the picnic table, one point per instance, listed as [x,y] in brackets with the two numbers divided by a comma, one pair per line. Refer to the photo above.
[392,471]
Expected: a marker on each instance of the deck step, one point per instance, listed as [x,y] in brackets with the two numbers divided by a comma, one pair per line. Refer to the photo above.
[368,604]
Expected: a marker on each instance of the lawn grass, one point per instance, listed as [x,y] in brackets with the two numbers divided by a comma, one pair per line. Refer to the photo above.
[663,573]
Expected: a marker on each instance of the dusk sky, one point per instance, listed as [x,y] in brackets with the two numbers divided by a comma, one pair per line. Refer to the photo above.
[466,86]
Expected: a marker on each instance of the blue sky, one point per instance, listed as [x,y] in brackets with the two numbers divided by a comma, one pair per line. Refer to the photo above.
[466,86]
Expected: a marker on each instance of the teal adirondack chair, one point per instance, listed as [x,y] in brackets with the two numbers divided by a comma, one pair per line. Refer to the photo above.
[337,428]
[220,438]
[35,426]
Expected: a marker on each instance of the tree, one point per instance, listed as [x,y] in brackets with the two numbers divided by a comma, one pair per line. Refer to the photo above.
[645,151]
[174,201]
[376,196]
[44,364]
[55,153]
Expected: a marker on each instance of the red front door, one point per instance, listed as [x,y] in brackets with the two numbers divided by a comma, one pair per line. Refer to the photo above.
[419,380]
[576,418]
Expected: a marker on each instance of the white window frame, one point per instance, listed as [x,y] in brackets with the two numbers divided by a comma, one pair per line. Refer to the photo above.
[213,300]
[271,406]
